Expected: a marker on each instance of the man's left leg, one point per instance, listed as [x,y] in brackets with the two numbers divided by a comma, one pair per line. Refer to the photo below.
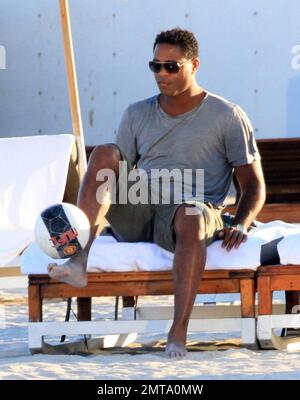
[188,267]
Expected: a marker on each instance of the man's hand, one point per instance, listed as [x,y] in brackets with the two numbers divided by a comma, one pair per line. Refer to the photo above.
[232,237]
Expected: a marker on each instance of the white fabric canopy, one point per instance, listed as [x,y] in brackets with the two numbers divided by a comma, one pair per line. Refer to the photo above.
[33,176]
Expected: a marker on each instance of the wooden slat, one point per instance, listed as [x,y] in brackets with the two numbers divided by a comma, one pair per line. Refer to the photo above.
[281,166]
[219,286]
[133,288]
[10,271]
[94,277]
[275,270]
[99,289]
[289,212]
[285,282]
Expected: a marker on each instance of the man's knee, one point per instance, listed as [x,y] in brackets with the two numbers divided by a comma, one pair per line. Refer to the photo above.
[189,227]
[107,155]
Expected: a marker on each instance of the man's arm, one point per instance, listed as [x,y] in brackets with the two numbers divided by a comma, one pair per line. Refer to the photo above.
[253,194]
[126,139]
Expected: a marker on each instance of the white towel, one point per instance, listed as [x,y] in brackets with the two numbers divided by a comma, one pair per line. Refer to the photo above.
[33,176]
[114,256]
[289,249]
[106,254]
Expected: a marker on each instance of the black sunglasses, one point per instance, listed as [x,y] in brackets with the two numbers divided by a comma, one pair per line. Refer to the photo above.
[172,67]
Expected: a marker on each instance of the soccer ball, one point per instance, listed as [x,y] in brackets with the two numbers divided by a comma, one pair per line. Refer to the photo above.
[62,230]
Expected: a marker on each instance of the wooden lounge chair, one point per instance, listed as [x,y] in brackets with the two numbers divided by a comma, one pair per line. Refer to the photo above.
[281,164]
[41,287]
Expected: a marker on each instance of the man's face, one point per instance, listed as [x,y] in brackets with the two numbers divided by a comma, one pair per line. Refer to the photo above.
[172,84]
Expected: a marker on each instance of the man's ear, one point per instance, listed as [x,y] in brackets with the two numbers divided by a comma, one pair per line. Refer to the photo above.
[196,64]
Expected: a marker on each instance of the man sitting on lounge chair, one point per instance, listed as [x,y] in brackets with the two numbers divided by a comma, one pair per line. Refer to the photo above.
[188,129]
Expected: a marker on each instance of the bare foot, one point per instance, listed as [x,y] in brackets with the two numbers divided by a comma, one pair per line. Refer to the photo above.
[175,350]
[175,347]
[72,272]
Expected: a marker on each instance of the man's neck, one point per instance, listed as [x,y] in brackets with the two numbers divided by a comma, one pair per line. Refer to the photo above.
[183,102]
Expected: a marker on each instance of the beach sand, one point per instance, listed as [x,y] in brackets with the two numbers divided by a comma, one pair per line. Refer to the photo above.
[211,356]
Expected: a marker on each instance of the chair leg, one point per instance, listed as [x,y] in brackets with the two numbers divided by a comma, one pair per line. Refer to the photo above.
[265,295]
[128,301]
[247,290]
[84,308]
[35,304]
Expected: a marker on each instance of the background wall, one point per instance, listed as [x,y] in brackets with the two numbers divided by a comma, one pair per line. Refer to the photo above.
[250,54]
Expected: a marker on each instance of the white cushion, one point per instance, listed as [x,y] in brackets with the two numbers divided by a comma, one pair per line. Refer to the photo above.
[106,254]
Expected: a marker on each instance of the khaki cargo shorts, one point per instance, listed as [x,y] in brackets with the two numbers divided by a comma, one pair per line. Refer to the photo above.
[155,222]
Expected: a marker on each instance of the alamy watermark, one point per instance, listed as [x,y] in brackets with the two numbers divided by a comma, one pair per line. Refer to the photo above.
[2,57]
[157,186]
[295,62]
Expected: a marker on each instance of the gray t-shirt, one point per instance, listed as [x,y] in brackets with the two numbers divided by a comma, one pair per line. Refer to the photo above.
[215,136]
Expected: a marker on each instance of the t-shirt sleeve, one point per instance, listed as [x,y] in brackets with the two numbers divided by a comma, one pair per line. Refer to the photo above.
[126,139]
[241,148]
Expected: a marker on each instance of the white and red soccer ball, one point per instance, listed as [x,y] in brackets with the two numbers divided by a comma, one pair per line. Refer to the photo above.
[62,230]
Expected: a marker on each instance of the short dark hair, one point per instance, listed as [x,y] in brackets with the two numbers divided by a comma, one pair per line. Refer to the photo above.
[179,37]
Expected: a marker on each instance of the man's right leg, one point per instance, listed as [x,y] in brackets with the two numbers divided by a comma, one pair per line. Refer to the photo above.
[103,157]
